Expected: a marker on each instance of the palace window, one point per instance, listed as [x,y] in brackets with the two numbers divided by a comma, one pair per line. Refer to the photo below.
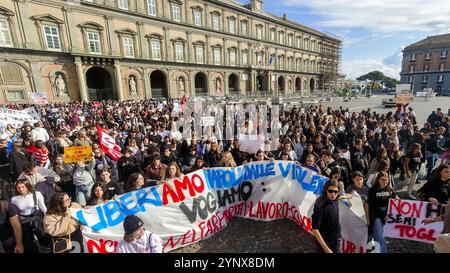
[5,34]
[52,40]
[151,5]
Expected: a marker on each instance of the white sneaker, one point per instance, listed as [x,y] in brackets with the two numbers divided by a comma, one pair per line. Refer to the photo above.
[410,196]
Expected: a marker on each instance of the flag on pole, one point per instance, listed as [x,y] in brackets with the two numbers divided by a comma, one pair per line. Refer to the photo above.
[108,144]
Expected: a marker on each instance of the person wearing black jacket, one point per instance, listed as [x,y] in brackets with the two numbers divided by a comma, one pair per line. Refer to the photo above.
[358,158]
[4,160]
[111,187]
[327,163]
[239,156]
[212,158]
[168,156]
[436,188]
[325,218]
[378,199]
[309,150]
[127,165]
[18,159]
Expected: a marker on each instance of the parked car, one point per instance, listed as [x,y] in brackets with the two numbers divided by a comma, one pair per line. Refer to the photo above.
[389,102]
[391,91]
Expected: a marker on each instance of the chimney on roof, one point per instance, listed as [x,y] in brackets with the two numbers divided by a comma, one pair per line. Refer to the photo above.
[285,16]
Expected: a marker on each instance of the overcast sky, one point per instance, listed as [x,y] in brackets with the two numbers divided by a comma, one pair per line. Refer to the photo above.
[374,32]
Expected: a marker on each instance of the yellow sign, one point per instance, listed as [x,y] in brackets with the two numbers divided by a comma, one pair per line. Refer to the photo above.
[405,98]
[77,154]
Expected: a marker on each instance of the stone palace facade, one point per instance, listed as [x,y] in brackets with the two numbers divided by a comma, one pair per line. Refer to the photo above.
[133,49]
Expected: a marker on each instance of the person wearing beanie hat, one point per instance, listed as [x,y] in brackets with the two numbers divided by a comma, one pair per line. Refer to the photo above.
[136,239]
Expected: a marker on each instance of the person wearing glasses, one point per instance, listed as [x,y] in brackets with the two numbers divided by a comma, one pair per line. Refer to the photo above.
[378,200]
[325,218]
[59,223]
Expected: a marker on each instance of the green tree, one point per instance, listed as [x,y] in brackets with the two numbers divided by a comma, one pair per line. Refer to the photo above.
[378,76]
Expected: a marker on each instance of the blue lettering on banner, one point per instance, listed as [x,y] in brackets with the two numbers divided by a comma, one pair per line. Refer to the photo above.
[315,184]
[219,178]
[284,172]
[114,212]
[112,208]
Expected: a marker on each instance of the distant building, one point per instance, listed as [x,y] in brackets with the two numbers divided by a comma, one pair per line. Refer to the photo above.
[133,49]
[426,64]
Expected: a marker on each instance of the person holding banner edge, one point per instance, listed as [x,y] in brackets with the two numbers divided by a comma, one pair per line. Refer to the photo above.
[325,218]
[379,195]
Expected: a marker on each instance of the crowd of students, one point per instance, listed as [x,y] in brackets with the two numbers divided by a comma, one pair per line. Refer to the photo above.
[376,155]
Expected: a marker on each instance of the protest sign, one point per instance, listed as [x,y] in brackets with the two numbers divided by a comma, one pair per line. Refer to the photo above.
[208,121]
[17,117]
[252,143]
[405,221]
[38,98]
[77,154]
[404,99]
[403,94]
[200,204]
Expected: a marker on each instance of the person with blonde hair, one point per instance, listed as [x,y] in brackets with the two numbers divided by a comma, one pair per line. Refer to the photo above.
[228,160]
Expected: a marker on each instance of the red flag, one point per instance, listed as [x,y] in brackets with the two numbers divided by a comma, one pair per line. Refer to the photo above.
[108,144]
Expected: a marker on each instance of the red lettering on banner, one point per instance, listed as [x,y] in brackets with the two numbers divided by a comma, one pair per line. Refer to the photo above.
[406,208]
[212,226]
[184,237]
[186,184]
[412,232]
[198,188]
[278,210]
[195,184]
[350,247]
[271,210]
[201,225]
[101,246]
[167,190]
[251,210]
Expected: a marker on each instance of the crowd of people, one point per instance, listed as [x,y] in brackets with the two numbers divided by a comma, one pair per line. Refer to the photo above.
[376,155]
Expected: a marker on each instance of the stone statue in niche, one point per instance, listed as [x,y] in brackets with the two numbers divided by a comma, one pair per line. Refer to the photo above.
[133,87]
[218,86]
[60,85]
[181,85]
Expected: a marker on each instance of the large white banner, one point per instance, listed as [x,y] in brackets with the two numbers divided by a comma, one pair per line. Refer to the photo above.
[17,117]
[405,221]
[200,204]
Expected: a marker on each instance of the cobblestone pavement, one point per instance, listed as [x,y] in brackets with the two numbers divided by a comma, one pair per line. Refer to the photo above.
[280,236]
[249,236]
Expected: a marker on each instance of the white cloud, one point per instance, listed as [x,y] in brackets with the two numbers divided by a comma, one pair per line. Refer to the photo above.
[390,66]
[388,16]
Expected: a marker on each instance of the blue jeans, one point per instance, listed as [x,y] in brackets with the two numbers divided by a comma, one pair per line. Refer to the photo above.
[83,193]
[377,234]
